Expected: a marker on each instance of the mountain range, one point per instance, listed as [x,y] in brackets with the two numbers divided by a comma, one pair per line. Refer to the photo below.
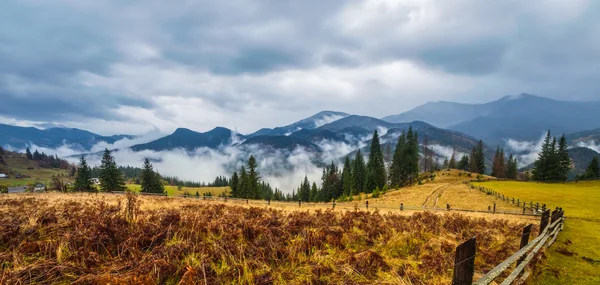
[520,117]
[447,126]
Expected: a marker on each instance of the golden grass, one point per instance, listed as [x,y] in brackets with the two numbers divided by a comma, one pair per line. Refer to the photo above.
[174,191]
[88,237]
[575,257]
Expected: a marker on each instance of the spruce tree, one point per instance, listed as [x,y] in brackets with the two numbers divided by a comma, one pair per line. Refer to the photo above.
[233,184]
[111,179]
[28,154]
[464,163]
[242,187]
[593,169]
[314,191]
[150,180]
[358,174]
[376,176]
[347,177]
[253,179]
[511,167]
[498,166]
[452,162]
[410,166]
[564,161]
[83,179]
[541,170]
[396,170]
[304,191]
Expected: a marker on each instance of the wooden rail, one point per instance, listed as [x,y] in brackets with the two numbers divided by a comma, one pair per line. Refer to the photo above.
[522,258]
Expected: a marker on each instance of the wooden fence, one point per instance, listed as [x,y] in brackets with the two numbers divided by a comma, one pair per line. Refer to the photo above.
[551,223]
[531,207]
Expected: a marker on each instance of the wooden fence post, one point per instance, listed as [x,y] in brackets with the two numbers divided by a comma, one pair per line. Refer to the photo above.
[489,208]
[299,203]
[554,216]
[401,206]
[524,240]
[268,201]
[494,208]
[246,201]
[544,220]
[537,207]
[367,204]
[333,204]
[447,207]
[464,263]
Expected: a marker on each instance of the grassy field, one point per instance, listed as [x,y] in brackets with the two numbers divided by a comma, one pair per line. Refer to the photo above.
[575,257]
[174,191]
[96,238]
[37,175]
[445,188]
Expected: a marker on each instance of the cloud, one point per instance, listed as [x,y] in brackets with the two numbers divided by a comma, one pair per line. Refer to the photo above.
[526,152]
[446,152]
[591,144]
[111,66]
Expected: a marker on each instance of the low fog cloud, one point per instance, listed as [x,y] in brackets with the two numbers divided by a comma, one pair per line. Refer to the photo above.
[591,144]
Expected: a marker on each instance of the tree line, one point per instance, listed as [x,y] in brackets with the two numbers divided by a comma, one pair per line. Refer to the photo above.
[112,179]
[46,161]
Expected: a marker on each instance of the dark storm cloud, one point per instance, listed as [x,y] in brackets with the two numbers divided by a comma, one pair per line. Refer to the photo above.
[69,59]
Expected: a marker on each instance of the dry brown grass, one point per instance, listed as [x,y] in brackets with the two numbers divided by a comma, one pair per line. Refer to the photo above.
[95,239]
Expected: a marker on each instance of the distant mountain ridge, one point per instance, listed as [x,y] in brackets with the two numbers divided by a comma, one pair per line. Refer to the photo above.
[20,137]
[521,117]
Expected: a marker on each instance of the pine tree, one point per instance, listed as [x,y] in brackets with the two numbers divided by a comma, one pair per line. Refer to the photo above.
[410,169]
[314,192]
[464,163]
[150,180]
[242,187]
[304,190]
[358,174]
[477,159]
[28,153]
[498,166]
[83,180]
[376,176]
[541,170]
[111,179]
[396,170]
[253,179]
[347,177]
[564,161]
[593,169]
[452,162]
[233,184]
[511,167]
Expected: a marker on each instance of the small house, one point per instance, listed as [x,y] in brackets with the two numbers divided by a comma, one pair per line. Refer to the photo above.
[3,176]
[95,181]
[39,188]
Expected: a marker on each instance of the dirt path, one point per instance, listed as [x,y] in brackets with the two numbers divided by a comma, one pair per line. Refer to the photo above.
[432,194]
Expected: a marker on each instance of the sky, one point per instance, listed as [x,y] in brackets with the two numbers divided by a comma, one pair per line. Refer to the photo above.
[138,67]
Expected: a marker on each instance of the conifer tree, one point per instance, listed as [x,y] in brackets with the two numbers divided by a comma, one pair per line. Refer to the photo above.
[396,170]
[233,184]
[28,154]
[564,161]
[477,159]
[253,178]
[452,162]
[410,166]
[498,166]
[464,163]
[358,174]
[82,180]
[242,187]
[511,167]
[314,192]
[541,170]
[150,180]
[111,179]
[376,176]
[304,190]
[593,169]
[347,177]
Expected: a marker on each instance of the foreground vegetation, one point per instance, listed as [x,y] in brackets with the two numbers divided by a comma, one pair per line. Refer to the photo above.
[95,238]
[575,258]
